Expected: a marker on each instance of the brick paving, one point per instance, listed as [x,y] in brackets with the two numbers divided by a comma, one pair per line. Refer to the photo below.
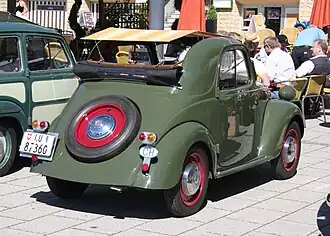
[249,203]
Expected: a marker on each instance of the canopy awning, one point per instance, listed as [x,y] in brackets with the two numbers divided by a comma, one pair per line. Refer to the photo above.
[140,35]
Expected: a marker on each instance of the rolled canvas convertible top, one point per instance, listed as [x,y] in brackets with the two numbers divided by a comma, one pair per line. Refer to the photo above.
[140,35]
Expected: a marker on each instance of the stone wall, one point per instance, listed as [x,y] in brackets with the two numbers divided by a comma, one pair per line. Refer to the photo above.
[230,20]
[305,9]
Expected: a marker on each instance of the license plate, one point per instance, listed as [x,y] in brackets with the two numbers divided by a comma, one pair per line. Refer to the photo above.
[148,152]
[40,144]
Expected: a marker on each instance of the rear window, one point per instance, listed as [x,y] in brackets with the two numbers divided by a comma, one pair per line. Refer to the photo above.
[10,57]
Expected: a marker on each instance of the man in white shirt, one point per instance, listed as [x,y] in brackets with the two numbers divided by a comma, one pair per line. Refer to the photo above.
[279,64]
[319,64]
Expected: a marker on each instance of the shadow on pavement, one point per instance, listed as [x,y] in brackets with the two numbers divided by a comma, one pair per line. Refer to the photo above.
[150,204]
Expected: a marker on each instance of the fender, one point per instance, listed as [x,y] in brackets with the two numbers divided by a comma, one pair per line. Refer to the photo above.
[173,148]
[11,109]
[277,117]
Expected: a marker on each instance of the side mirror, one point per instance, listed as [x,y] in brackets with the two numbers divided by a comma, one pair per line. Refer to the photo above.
[287,93]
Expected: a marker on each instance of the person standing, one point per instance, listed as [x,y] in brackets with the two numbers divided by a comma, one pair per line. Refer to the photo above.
[21,9]
[301,51]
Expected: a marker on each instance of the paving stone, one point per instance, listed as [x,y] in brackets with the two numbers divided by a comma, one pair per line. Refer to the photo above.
[30,182]
[110,225]
[29,211]
[47,224]
[231,204]
[6,179]
[302,196]
[321,232]
[301,179]
[278,186]
[319,206]
[226,226]
[309,171]
[316,187]
[14,200]
[198,232]
[208,214]
[76,232]
[310,217]
[256,215]
[285,228]
[256,194]
[170,226]
[281,205]
[8,188]
[14,232]
[135,232]
[6,222]
[309,148]
[77,215]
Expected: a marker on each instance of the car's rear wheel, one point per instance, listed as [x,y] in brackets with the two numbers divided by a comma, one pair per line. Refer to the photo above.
[8,147]
[285,166]
[102,129]
[188,196]
[66,189]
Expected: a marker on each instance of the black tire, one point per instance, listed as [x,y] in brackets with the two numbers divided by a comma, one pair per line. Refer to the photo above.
[282,169]
[7,162]
[174,197]
[66,189]
[113,148]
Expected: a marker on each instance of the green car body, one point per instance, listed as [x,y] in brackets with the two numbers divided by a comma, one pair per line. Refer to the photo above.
[27,94]
[197,114]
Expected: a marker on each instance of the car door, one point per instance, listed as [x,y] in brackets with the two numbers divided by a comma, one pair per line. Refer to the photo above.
[13,81]
[236,107]
[51,78]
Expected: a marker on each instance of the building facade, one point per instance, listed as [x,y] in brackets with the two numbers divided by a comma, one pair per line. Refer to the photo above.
[278,13]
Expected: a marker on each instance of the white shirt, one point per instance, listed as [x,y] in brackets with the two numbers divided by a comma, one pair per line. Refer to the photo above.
[307,67]
[280,66]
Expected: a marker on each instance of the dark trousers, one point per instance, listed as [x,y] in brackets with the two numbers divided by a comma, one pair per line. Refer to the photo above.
[300,54]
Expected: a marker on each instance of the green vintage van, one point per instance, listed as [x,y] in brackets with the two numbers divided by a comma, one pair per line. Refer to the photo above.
[36,81]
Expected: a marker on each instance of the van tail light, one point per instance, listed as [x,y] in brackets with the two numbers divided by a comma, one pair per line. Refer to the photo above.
[40,126]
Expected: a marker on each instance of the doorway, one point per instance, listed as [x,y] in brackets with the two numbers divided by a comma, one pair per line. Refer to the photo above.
[273,18]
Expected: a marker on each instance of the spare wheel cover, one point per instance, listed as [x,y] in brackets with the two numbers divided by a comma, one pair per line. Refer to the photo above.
[102,129]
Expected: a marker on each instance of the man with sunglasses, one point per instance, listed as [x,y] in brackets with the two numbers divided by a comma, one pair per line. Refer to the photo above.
[279,65]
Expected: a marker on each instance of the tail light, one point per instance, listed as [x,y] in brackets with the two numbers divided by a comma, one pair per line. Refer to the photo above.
[40,126]
[147,138]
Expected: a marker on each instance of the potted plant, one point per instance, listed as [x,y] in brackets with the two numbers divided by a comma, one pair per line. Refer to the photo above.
[211,20]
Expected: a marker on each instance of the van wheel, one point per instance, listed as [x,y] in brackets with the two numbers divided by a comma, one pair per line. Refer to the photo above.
[285,166]
[66,189]
[8,147]
[188,196]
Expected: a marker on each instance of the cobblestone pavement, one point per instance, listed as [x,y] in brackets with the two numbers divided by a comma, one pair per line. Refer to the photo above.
[248,203]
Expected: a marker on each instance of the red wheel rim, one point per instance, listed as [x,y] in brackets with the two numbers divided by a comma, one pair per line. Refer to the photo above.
[112,111]
[196,160]
[290,150]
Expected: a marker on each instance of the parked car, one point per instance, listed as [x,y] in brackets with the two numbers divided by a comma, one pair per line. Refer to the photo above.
[166,127]
[37,80]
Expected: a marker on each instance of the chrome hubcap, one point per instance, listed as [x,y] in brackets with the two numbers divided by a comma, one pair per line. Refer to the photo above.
[2,147]
[289,149]
[191,179]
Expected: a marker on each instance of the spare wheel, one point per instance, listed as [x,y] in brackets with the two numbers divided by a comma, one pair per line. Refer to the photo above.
[102,129]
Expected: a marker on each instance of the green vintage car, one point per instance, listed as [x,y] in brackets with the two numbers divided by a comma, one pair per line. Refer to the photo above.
[163,126]
[37,80]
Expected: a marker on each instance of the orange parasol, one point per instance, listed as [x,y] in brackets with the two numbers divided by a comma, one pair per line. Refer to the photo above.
[192,15]
[321,13]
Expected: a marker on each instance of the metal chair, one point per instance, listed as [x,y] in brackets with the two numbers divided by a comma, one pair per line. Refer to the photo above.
[314,89]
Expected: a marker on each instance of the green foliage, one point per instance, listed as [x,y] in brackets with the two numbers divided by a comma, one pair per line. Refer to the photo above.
[212,13]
